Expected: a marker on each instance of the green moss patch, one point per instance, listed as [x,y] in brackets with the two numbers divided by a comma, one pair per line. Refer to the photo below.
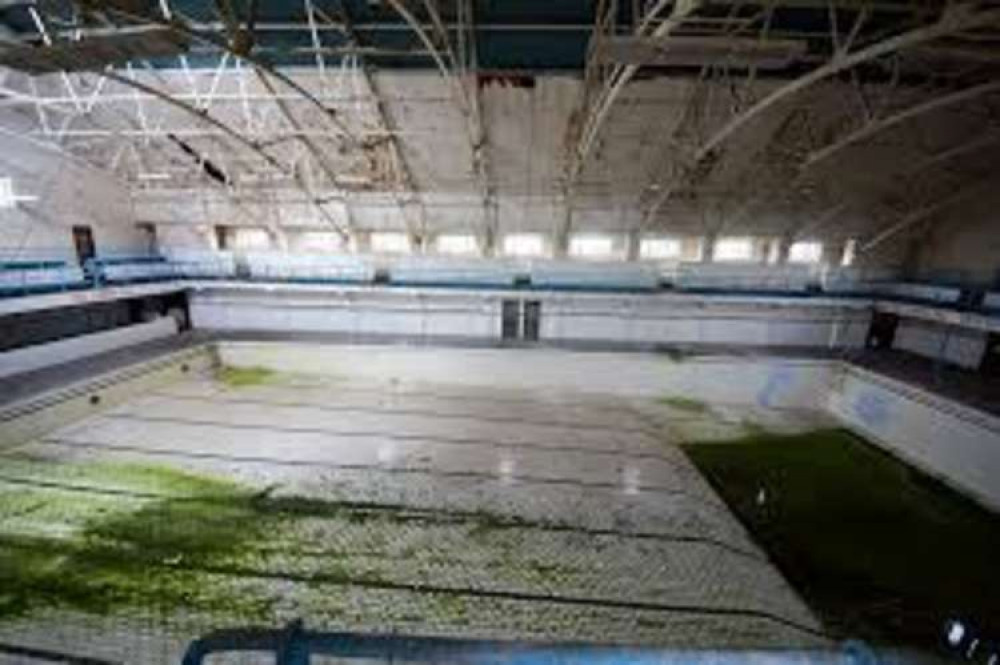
[241,377]
[143,544]
[106,539]
[880,550]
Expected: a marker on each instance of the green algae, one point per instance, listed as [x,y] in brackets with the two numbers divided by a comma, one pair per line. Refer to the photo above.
[880,550]
[147,546]
[242,377]
[106,539]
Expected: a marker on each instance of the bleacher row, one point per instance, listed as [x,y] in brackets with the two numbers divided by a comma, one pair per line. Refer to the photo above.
[24,277]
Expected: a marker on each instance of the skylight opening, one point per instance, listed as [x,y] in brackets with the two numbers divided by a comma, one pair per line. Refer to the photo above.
[251,239]
[320,241]
[659,248]
[733,249]
[456,245]
[524,245]
[591,246]
[390,242]
[805,252]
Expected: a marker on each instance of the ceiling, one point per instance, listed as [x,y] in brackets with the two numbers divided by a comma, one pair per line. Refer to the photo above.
[783,118]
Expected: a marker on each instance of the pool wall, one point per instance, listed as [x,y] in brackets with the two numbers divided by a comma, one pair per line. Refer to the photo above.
[953,442]
[765,382]
[958,444]
[43,413]
[622,319]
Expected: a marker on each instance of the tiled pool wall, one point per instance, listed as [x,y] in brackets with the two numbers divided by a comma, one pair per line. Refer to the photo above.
[958,444]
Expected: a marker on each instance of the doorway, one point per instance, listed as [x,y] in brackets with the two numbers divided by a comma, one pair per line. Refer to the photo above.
[83,241]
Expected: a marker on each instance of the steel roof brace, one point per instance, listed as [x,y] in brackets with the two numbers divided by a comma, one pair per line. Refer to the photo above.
[956,19]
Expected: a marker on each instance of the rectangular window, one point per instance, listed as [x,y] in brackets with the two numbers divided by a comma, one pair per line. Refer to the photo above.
[456,245]
[591,246]
[7,193]
[659,248]
[733,249]
[524,244]
[319,241]
[390,242]
[251,239]
[805,252]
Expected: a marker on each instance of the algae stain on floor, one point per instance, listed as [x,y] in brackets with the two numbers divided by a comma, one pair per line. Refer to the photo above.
[142,543]
[880,550]
[119,539]
[242,377]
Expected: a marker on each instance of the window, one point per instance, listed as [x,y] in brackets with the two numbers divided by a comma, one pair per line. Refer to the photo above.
[591,246]
[733,249]
[457,245]
[8,199]
[319,241]
[524,244]
[7,193]
[805,252]
[252,239]
[659,248]
[390,242]
[850,252]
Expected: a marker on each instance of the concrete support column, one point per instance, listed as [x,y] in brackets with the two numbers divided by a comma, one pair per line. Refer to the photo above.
[418,243]
[279,239]
[632,243]
[560,244]
[487,243]
[833,253]
[708,247]
[784,249]
[361,241]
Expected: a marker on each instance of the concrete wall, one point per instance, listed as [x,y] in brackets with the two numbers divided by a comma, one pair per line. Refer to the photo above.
[958,444]
[618,319]
[69,192]
[35,357]
[763,382]
[959,346]
[964,243]
[43,413]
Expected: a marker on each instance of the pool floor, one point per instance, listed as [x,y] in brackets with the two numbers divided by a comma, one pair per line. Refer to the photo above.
[252,498]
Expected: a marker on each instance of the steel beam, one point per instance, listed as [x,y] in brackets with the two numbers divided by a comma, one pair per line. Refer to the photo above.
[955,19]
[231,133]
[404,175]
[833,212]
[468,105]
[917,216]
[181,25]
[888,122]
[594,114]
